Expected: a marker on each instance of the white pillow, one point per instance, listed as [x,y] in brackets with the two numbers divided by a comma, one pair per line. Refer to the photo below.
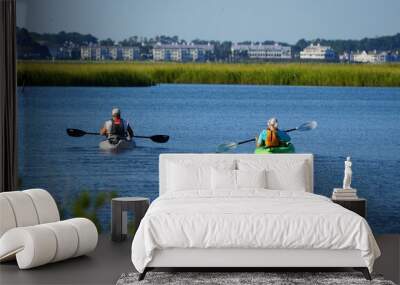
[292,178]
[182,177]
[223,179]
[281,174]
[186,175]
[251,178]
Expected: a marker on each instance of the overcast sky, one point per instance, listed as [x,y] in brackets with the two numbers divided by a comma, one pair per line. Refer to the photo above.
[257,20]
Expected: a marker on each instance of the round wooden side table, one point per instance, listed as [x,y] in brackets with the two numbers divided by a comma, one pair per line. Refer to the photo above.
[119,215]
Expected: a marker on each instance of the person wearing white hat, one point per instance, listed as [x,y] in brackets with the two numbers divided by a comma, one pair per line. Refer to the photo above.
[117,128]
[272,136]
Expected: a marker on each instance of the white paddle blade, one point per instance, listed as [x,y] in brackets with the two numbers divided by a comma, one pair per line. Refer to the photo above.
[226,147]
[307,126]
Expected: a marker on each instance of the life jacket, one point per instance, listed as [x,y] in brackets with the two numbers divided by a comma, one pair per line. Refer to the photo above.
[117,128]
[272,138]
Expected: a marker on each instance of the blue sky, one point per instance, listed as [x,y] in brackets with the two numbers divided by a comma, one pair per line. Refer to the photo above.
[279,20]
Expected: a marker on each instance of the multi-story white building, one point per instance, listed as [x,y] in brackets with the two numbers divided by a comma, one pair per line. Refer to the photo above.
[318,52]
[87,53]
[130,53]
[115,53]
[95,53]
[372,57]
[345,57]
[261,52]
[109,53]
[182,52]
[102,53]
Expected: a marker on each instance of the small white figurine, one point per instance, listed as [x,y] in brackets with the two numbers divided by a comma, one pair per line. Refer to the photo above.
[347,174]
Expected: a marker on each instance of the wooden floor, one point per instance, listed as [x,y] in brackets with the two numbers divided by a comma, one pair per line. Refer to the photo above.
[110,260]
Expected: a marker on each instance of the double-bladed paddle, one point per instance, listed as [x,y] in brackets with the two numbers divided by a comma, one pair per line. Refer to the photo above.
[232,145]
[80,133]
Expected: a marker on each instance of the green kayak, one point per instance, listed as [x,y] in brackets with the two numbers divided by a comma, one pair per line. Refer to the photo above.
[279,149]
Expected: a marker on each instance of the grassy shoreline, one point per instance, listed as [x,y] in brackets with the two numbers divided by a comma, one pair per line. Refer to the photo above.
[75,73]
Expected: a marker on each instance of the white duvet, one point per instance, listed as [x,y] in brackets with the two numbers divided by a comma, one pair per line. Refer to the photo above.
[250,219]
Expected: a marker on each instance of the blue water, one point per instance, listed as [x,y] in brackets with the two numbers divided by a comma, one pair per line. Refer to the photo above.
[363,123]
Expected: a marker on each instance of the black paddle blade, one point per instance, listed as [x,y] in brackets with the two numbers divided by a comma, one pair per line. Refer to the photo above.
[160,138]
[75,132]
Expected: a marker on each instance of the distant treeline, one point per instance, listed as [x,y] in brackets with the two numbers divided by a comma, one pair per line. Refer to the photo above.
[386,43]
[147,74]
[36,46]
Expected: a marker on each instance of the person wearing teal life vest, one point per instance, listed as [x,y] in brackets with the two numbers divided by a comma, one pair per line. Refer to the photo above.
[272,136]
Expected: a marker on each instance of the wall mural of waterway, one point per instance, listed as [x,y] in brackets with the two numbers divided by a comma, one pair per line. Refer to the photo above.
[359,122]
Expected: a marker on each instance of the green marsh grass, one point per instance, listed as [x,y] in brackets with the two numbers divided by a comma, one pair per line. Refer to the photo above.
[76,73]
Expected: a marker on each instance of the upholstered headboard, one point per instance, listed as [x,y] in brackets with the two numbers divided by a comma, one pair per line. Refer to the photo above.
[306,160]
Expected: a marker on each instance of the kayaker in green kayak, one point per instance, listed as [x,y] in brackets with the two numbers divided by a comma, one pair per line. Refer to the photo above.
[272,138]
[116,128]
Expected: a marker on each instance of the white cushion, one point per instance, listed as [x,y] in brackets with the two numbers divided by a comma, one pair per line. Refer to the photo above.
[45,205]
[23,208]
[7,218]
[34,244]
[67,240]
[186,175]
[251,179]
[230,180]
[26,208]
[87,233]
[52,242]
[183,177]
[223,179]
[288,175]
[293,178]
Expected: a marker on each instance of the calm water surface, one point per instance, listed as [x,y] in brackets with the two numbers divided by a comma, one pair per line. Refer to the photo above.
[363,123]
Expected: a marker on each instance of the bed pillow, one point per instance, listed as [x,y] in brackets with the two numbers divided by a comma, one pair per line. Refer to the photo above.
[227,179]
[182,177]
[185,175]
[223,179]
[280,174]
[293,178]
[251,178]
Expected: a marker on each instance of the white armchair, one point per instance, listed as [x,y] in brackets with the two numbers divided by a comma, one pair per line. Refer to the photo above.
[31,230]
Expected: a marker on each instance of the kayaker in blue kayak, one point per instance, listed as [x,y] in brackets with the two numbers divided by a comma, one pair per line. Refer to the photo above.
[116,128]
[272,136]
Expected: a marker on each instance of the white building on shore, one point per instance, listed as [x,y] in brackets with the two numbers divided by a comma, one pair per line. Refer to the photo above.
[130,53]
[182,52]
[261,52]
[318,52]
[87,53]
[96,52]
[372,57]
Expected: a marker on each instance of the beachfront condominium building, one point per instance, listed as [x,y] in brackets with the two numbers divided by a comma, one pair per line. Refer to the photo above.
[318,52]
[95,52]
[130,53]
[87,53]
[261,52]
[109,53]
[115,53]
[372,57]
[64,52]
[182,52]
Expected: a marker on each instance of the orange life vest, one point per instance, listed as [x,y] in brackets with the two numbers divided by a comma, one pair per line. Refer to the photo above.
[272,138]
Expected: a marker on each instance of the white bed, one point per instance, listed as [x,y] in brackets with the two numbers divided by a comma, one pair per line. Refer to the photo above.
[245,210]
